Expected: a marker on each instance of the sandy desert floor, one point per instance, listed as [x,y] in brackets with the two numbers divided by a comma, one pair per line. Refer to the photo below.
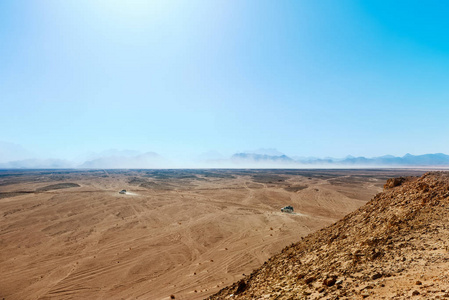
[187,233]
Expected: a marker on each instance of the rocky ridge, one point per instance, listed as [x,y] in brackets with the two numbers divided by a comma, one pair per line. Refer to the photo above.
[394,247]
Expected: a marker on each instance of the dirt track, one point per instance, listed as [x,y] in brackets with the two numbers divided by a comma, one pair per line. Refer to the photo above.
[182,233]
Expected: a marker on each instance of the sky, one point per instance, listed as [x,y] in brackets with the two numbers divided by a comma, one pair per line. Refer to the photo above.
[181,78]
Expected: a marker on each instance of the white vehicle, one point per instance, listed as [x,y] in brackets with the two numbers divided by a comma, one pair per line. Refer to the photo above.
[287,209]
[122,192]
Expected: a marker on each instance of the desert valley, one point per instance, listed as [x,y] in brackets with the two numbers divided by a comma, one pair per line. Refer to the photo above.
[183,234]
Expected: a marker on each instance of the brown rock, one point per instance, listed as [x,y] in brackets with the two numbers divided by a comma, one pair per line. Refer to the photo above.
[365,294]
[394,182]
[309,280]
[330,281]
[241,287]
[307,293]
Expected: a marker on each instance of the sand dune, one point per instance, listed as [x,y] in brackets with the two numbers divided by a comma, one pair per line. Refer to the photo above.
[182,233]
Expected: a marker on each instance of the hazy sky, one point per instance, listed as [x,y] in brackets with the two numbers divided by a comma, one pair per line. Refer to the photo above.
[309,78]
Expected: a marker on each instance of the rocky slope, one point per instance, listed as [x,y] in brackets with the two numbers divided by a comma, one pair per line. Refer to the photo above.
[394,247]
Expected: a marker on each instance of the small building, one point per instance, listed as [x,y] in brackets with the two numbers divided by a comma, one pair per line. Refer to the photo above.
[287,209]
[122,192]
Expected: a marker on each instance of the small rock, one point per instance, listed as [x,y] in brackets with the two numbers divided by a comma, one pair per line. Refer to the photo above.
[307,293]
[330,281]
[418,283]
[309,280]
[241,287]
[365,294]
[415,293]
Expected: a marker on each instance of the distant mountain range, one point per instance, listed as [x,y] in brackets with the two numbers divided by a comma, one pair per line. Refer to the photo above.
[242,157]
[37,164]
[262,158]
[110,159]
[437,159]
[149,160]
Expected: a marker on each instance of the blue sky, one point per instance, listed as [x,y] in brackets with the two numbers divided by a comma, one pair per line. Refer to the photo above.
[179,78]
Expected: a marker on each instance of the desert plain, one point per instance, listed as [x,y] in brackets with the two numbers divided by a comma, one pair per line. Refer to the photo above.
[182,234]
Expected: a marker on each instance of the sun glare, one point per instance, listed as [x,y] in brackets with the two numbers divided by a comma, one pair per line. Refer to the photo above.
[135,9]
